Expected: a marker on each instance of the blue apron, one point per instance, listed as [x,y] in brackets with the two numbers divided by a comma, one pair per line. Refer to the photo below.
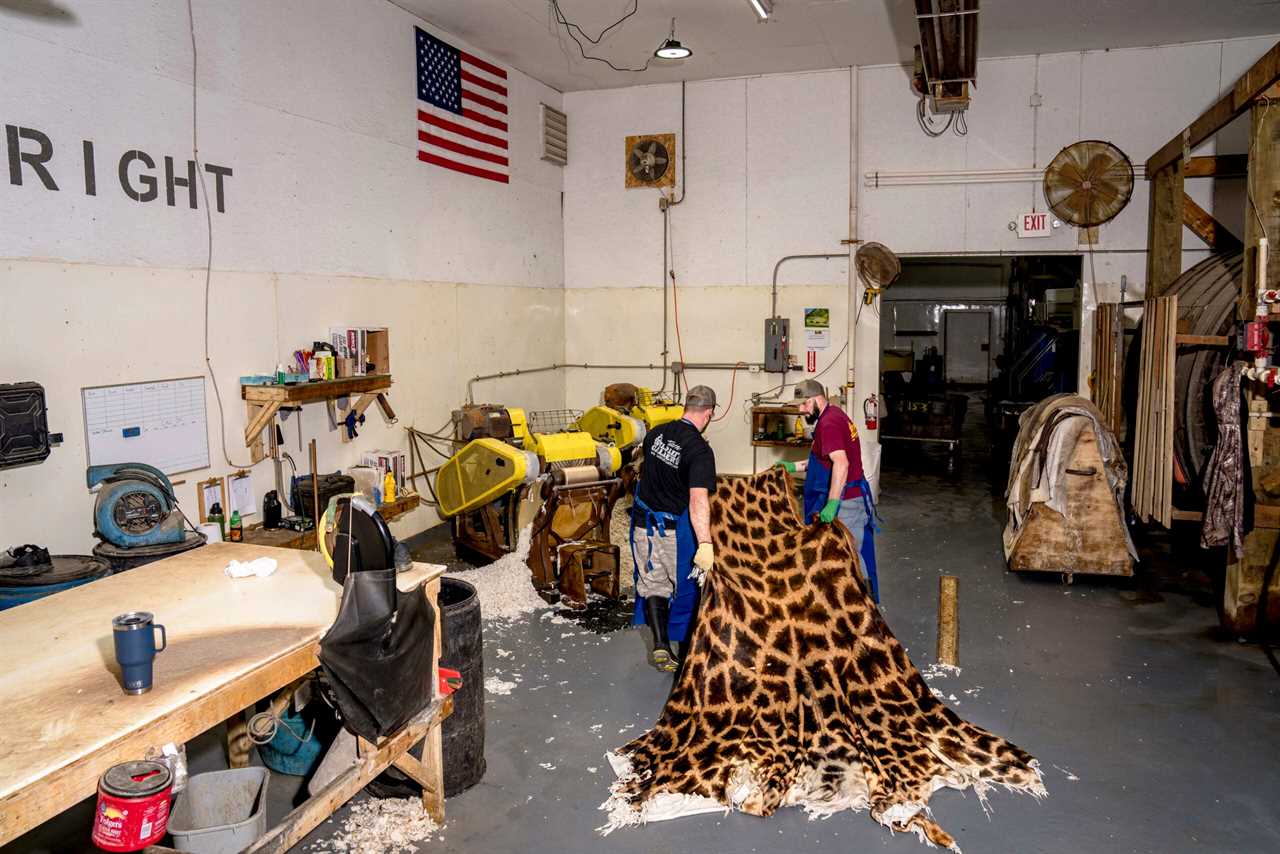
[817,483]
[686,592]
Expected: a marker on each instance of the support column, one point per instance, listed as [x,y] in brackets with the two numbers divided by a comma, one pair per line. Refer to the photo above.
[1244,575]
[1164,229]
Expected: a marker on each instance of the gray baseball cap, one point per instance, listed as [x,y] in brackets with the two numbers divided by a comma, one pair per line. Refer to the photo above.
[699,396]
[809,388]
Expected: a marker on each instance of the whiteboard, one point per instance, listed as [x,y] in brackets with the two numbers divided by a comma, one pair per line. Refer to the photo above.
[161,423]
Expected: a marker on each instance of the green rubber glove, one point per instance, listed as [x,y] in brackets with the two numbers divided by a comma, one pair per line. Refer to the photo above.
[829,511]
[786,464]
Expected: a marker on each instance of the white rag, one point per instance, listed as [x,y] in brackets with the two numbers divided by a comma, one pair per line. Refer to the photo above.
[261,567]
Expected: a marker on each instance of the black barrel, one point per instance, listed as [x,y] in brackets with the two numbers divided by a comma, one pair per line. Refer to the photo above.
[61,573]
[463,650]
[463,731]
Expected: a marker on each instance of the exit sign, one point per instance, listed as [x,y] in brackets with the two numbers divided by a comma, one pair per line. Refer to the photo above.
[1034,225]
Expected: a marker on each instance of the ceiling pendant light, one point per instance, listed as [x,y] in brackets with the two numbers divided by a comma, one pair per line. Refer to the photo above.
[671,48]
[763,8]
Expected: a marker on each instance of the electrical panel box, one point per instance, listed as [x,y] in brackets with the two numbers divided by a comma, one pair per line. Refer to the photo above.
[777,339]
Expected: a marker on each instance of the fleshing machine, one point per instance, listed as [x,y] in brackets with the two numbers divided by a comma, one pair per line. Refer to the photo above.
[536,471]
[625,417]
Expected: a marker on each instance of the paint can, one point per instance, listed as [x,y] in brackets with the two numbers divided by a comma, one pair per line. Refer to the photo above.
[133,805]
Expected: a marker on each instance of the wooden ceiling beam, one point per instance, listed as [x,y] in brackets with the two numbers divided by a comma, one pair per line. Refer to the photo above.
[1214,166]
[1254,82]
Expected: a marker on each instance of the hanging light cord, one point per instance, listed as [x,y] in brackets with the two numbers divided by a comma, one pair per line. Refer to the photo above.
[570,27]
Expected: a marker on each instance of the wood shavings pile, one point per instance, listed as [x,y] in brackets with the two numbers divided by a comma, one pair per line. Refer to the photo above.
[620,536]
[494,685]
[381,826]
[940,670]
[505,587]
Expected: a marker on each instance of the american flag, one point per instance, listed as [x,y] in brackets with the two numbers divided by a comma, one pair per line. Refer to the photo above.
[462,110]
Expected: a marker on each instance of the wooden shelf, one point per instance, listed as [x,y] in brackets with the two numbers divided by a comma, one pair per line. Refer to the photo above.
[284,538]
[399,507]
[262,402]
[761,415]
[280,538]
[318,390]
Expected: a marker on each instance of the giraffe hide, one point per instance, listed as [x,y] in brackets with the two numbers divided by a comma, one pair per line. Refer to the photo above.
[796,693]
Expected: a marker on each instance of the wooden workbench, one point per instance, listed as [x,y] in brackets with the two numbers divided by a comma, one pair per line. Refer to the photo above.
[231,643]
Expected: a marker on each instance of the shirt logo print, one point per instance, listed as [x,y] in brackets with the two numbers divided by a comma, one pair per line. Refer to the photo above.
[668,452]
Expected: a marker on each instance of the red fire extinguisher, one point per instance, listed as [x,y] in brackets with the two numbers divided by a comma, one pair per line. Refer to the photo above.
[871,413]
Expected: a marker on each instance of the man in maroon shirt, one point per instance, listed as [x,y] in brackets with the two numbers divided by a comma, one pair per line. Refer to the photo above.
[834,486]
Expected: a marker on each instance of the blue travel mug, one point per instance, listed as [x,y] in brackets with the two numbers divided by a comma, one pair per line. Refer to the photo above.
[136,648]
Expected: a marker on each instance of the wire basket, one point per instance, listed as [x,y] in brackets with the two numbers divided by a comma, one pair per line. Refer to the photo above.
[554,420]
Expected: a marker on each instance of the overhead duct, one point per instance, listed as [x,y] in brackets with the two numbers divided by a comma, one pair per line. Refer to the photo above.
[947,56]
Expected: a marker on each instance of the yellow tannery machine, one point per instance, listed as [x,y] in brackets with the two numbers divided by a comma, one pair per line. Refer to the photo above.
[625,417]
[558,473]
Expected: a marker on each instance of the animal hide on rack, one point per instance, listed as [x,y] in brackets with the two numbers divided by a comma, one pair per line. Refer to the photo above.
[797,694]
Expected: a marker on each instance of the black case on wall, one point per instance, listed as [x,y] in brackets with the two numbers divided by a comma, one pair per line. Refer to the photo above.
[24,424]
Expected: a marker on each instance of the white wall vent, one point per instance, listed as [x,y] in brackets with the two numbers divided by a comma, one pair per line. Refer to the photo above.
[555,135]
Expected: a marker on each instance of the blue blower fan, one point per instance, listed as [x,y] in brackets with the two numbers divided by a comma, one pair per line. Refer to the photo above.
[135,507]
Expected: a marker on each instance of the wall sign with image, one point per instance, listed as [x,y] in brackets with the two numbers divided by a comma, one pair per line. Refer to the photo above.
[817,328]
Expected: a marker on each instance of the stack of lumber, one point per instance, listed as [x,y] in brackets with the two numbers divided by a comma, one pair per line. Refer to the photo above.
[1108,364]
[1151,493]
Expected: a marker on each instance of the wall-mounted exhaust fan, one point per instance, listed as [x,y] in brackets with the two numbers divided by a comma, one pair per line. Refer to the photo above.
[651,160]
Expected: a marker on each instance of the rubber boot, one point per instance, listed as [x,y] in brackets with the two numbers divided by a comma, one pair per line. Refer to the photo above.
[686,645]
[657,610]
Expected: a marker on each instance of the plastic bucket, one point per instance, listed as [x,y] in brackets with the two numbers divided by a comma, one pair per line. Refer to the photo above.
[221,812]
[294,749]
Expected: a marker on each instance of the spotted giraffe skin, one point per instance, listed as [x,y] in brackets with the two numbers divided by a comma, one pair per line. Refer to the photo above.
[797,693]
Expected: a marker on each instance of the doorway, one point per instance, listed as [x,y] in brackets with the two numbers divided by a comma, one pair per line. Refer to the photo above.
[966,343]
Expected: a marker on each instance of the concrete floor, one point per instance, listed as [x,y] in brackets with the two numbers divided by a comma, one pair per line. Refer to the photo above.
[1154,735]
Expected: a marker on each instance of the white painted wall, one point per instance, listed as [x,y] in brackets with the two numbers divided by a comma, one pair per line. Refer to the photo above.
[770,163]
[330,219]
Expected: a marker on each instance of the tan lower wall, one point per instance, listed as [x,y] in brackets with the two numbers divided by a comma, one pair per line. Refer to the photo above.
[72,325]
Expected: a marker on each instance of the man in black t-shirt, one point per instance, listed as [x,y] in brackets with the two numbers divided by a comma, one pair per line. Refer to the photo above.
[671,524]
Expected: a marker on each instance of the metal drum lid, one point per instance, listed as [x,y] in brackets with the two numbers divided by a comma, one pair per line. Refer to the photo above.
[138,779]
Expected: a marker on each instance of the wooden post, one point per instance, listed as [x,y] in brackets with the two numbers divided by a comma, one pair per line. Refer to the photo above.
[1243,584]
[315,494]
[1263,184]
[948,641]
[1164,229]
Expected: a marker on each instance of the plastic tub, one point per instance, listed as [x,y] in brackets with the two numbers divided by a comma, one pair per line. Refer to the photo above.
[221,812]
